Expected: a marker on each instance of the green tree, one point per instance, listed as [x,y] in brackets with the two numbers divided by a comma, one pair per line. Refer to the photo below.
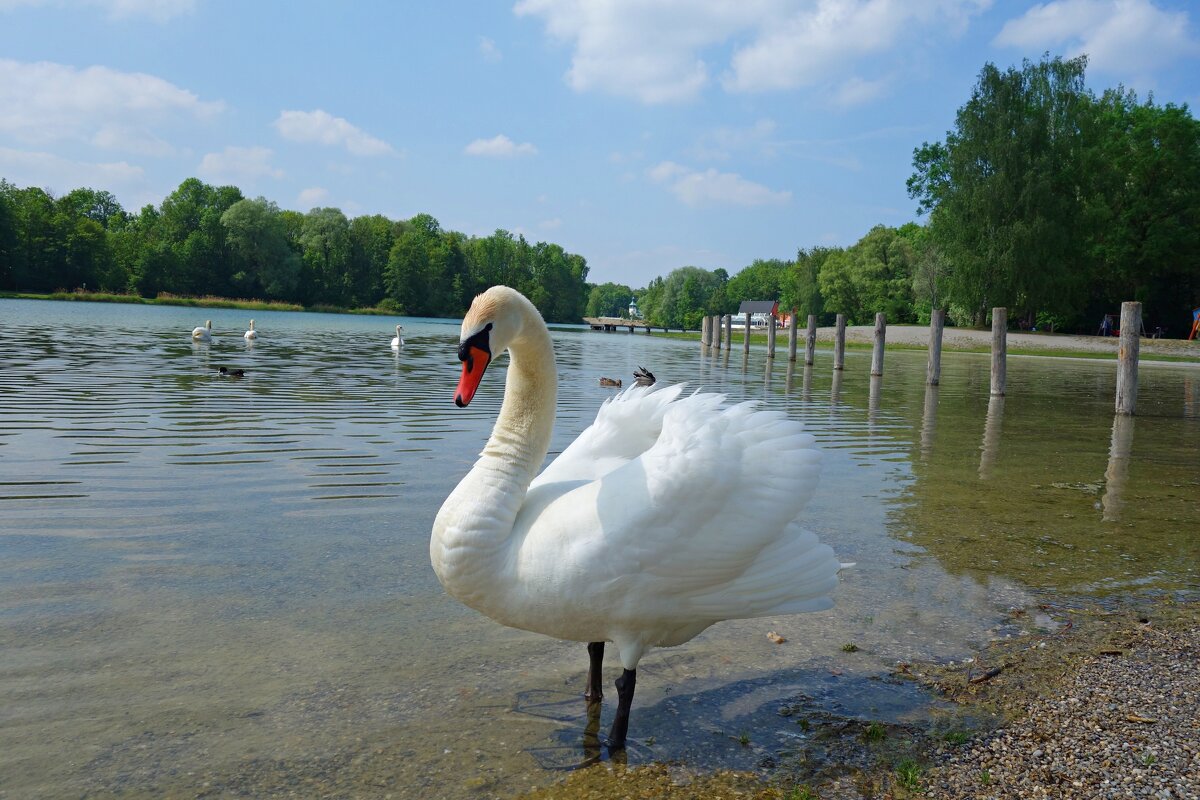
[326,249]
[608,300]
[267,265]
[1004,189]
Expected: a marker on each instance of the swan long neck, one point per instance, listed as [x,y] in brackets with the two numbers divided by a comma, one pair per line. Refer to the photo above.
[475,525]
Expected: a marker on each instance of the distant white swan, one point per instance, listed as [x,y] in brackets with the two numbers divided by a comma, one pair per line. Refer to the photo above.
[643,531]
[250,334]
[203,334]
[399,340]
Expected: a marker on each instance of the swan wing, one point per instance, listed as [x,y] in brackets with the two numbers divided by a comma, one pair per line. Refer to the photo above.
[700,525]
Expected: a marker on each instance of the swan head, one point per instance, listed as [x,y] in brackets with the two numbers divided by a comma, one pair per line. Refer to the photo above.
[495,320]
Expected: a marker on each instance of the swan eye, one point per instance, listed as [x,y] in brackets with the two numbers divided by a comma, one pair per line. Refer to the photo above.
[479,341]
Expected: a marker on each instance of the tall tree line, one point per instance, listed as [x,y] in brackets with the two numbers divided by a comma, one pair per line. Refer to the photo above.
[211,240]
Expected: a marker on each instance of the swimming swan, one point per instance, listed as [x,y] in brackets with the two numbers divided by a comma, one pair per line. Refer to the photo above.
[250,334]
[203,334]
[656,522]
[398,341]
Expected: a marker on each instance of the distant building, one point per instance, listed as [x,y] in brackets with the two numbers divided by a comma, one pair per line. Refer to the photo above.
[762,312]
[633,309]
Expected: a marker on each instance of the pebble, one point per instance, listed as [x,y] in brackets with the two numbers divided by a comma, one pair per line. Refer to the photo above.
[1127,726]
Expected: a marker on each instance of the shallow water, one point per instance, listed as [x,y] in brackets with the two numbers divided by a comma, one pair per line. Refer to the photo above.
[220,586]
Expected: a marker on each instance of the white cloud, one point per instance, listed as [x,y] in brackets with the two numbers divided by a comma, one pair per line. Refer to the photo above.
[236,164]
[550,224]
[661,52]
[44,101]
[856,92]
[321,127]
[1127,38]
[312,197]
[499,146]
[489,51]
[61,175]
[721,143]
[157,10]
[709,187]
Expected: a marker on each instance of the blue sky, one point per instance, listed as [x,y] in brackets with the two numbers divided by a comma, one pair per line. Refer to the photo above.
[643,135]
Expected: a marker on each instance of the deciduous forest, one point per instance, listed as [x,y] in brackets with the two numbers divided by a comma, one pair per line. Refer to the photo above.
[1045,198]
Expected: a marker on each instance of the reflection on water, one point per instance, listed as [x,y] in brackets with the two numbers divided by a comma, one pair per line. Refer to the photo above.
[991,436]
[221,584]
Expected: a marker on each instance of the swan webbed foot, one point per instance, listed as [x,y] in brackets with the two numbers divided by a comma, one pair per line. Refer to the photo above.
[595,679]
[620,727]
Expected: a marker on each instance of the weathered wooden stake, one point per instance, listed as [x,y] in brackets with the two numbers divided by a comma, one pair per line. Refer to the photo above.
[999,349]
[810,340]
[792,336]
[705,327]
[746,340]
[937,321]
[716,331]
[771,336]
[1127,358]
[880,336]
[839,343]
[728,332]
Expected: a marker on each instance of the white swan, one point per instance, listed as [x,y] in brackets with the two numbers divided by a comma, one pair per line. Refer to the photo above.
[398,341]
[203,334]
[250,334]
[626,536]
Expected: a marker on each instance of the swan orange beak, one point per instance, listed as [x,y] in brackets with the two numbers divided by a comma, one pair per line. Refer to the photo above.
[474,364]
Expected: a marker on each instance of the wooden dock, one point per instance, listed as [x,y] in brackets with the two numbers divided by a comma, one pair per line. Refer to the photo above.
[612,323]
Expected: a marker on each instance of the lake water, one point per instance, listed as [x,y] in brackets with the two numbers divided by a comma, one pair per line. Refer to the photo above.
[214,586]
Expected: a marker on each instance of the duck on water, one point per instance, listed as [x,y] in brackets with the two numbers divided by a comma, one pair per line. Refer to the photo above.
[623,538]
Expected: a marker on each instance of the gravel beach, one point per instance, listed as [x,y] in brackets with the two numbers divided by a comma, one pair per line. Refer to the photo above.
[1126,725]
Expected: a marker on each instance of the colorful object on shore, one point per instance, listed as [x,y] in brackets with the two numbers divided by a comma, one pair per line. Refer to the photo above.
[1195,324]
[203,334]
[625,536]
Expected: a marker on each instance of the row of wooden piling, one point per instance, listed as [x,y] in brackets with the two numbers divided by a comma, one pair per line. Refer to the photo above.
[1127,352]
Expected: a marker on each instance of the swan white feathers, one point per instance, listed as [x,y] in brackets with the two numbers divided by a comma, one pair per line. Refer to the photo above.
[643,531]
[250,334]
[398,342]
[203,334]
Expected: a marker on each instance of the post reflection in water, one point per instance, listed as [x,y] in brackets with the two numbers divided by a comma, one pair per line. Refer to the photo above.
[929,419]
[835,389]
[873,402]
[745,362]
[806,386]
[991,436]
[787,381]
[767,377]
[1117,474]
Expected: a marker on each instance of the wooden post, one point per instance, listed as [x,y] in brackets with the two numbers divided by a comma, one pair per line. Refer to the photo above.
[729,332]
[716,331]
[770,336]
[880,336]
[937,321]
[746,340]
[792,336]
[839,343]
[810,341]
[999,349]
[1127,358]
[705,324]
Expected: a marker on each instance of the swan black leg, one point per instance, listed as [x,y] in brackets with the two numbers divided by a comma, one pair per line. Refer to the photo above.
[620,726]
[595,678]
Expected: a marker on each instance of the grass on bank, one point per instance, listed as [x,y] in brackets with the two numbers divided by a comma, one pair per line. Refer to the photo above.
[207,301]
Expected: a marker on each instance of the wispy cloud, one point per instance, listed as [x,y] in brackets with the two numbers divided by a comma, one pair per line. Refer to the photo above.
[236,164]
[489,50]
[709,187]
[312,197]
[58,174]
[1126,38]
[157,10]
[499,146]
[44,101]
[321,127]
[666,52]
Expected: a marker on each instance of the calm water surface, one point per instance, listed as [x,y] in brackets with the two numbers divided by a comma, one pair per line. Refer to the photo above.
[215,586]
